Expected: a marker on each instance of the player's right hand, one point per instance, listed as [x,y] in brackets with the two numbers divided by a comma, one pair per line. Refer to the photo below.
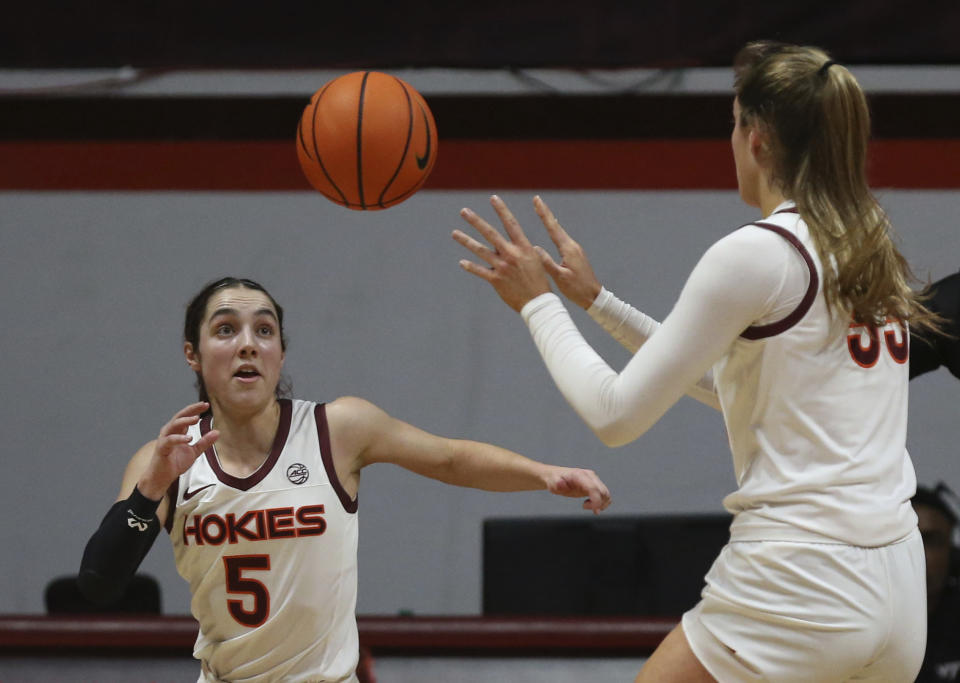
[574,275]
[173,453]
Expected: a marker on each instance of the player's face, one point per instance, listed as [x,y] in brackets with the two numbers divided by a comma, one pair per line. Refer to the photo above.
[240,352]
[747,170]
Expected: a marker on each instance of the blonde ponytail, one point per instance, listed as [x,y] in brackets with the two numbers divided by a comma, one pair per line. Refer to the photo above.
[816,118]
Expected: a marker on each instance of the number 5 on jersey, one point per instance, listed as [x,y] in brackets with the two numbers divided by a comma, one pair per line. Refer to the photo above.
[238,584]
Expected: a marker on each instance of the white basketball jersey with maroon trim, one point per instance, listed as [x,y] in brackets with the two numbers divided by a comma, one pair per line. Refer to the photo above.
[271,559]
[816,416]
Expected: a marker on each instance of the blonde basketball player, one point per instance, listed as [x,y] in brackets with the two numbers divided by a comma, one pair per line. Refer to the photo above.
[795,327]
[260,497]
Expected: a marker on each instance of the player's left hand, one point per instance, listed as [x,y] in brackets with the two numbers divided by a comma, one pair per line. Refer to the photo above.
[573,482]
[515,270]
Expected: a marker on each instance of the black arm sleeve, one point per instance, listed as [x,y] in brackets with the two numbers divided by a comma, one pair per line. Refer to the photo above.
[928,352]
[118,547]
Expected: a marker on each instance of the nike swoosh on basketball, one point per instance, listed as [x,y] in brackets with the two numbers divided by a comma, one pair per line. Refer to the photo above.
[187,495]
[422,160]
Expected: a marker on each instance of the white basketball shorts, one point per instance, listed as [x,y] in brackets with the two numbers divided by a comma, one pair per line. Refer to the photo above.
[812,612]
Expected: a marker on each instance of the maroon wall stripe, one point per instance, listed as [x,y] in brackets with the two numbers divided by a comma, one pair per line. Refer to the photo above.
[461,165]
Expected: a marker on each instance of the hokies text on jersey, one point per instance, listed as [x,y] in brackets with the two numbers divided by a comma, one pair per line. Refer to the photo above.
[254,525]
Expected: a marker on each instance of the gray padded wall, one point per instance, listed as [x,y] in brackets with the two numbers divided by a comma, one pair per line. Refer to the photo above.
[94,286]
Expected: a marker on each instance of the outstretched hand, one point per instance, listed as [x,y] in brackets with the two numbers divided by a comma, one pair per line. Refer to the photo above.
[577,483]
[515,270]
[573,275]
[173,453]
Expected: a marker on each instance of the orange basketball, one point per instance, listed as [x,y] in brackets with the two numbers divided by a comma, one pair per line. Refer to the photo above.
[367,140]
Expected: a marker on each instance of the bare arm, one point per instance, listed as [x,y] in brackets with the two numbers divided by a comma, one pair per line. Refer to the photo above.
[360,428]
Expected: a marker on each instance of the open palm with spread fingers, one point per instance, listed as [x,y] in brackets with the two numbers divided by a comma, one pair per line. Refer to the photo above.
[173,453]
[515,268]
[573,275]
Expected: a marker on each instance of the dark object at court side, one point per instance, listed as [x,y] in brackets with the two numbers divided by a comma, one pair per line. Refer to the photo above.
[648,566]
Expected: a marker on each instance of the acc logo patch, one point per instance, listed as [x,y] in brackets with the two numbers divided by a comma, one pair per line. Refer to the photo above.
[297,473]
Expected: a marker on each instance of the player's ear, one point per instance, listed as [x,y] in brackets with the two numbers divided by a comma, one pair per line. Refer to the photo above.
[192,356]
[759,147]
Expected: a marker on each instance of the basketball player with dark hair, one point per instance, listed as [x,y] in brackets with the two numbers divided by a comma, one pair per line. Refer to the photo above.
[260,495]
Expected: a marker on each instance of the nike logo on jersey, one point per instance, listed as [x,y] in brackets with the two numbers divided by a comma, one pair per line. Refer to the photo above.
[187,495]
[423,160]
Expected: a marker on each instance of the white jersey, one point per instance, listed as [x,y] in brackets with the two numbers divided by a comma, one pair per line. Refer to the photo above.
[815,408]
[271,558]
[817,421]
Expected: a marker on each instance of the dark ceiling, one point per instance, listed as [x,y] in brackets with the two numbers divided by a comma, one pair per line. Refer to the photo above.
[491,34]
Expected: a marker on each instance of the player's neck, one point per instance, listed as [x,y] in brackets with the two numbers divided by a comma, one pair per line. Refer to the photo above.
[770,199]
[246,439]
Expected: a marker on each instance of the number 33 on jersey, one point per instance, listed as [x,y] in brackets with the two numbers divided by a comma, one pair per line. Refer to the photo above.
[865,345]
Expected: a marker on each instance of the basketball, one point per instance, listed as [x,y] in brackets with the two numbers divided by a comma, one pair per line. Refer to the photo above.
[367,140]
